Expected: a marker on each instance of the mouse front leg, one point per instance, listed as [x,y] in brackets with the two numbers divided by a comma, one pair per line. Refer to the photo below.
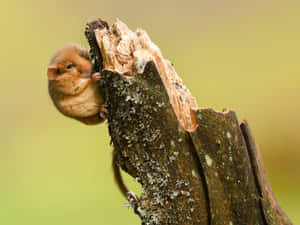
[103,108]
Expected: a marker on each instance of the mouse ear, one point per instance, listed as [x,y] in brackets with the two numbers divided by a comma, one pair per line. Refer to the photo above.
[85,54]
[52,72]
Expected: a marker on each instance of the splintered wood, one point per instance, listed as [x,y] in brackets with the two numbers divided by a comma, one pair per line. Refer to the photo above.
[128,52]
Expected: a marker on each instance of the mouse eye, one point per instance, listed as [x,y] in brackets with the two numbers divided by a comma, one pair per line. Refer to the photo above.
[70,66]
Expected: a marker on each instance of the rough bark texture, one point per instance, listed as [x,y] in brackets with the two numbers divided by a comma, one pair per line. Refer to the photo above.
[196,166]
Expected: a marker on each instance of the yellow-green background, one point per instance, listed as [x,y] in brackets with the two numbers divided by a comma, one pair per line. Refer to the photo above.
[242,55]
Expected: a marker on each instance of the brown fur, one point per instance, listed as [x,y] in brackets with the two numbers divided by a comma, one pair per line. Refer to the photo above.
[74,92]
[71,87]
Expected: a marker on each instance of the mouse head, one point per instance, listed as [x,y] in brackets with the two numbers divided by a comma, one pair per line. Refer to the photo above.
[70,62]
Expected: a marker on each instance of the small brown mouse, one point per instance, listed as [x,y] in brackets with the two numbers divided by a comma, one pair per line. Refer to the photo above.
[73,87]
[74,91]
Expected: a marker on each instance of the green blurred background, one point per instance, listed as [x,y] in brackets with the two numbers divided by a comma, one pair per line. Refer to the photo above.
[242,55]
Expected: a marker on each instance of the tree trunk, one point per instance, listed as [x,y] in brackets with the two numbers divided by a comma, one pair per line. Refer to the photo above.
[196,166]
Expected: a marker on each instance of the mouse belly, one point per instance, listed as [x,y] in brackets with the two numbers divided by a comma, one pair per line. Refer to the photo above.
[85,104]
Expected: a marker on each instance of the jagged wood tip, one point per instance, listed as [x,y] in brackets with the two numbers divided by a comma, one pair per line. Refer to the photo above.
[128,52]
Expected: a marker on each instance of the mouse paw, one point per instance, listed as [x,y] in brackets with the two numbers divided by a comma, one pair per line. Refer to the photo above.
[132,197]
[103,111]
[96,76]
[133,200]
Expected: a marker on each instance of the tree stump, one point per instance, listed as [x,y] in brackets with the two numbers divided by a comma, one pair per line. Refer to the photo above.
[196,166]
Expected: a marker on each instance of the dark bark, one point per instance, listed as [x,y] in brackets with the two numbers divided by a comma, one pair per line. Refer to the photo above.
[212,174]
[270,207]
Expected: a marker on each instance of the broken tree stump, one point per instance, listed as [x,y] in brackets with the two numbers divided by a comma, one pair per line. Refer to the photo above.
[196,166]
